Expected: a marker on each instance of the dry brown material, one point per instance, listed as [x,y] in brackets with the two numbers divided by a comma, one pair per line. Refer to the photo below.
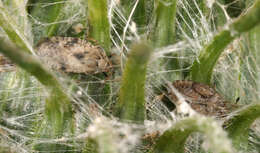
[73,55]
[5,64]
[202,98]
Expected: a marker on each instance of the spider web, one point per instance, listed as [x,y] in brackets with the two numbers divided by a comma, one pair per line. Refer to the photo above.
[22,98]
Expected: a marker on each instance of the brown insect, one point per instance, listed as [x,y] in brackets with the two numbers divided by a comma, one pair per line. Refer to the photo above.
[73,55]
[202,98]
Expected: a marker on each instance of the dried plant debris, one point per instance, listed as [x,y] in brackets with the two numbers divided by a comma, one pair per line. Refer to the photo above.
[5,64]
[149,139]
[202,98]
[73,55]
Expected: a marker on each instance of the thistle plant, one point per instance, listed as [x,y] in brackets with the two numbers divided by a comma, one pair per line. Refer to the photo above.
[149,45]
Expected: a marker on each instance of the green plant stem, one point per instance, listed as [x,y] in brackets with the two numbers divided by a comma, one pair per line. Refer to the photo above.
[164,27]
[201,70]
[13,30]
[99,28]
[163,31]
[240,123]
[131,104]
[58,106]
[173,140]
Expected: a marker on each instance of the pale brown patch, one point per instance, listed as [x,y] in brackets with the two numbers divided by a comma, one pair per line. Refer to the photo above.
[73,55]
[202,98]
